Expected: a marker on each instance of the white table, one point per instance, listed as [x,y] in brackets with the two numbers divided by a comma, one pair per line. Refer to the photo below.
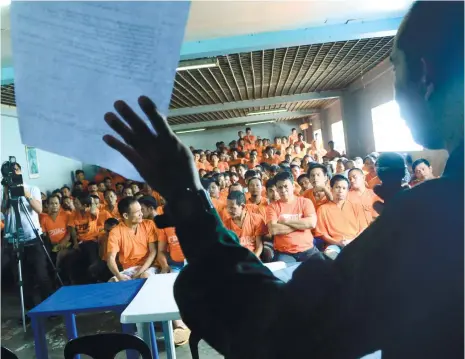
[155,303]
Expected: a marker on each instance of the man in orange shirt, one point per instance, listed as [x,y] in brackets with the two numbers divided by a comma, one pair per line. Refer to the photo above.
[300,142]
[271,158]
[133,240]
[369,167]
[80,176]
[304,183]
[55,226]
[340,221]
[235,160]
[320,193]
[241,170]
[332,153]
[256,203]
[293,136]
[108,183]
[213,188]
[92,188]
[361,195]
[65,191]
[253,160]
[249,138]
[99,270]
[290,220]
[249,227]
[223,164]
[84,232]
[110,210]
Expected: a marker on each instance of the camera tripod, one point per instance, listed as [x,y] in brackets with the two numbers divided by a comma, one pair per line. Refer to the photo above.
[18,248]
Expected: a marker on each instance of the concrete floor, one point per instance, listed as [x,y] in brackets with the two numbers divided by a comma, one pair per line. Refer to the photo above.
[22,344]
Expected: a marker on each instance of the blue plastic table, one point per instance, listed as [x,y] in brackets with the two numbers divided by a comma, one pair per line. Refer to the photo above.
[71,300]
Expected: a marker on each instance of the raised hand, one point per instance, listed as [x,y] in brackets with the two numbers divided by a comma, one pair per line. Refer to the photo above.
[161,159]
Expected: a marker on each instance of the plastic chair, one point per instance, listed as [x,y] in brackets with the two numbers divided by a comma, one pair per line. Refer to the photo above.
[8,354]
[106,346]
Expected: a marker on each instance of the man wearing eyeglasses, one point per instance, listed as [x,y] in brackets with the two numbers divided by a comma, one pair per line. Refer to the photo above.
[33,257]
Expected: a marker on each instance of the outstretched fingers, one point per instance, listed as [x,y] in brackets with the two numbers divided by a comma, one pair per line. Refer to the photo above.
[158,122]
[126,133]
[137,124]
[127,151]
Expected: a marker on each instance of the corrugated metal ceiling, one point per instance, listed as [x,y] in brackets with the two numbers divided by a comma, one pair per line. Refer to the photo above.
[269,73]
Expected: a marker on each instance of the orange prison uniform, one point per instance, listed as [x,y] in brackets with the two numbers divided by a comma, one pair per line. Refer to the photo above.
[273,161]
[223,166]
[85,183]
[373,182]
[85,224]
[340,223]
[132,248]
[299,240]
[250,139]
[236,162]
[301,144]
[252,165]
[224,194]
[297,189]
[293,138]
[219,204]
[331,154]
[259,209]
[366,200]
[207,166]
[174,248]
[199,165]
[252,227]
[56,229]
[317,200]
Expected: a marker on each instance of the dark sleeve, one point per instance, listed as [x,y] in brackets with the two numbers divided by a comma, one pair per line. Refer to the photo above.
[225,294]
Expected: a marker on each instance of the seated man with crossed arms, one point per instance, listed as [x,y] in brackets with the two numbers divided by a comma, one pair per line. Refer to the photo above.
[133,240]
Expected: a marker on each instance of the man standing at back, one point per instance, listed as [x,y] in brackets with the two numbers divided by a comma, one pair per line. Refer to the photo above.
[290,220]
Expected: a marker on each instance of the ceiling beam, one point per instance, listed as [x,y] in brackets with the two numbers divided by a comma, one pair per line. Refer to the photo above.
[243,120]
[254,103]
[352,30]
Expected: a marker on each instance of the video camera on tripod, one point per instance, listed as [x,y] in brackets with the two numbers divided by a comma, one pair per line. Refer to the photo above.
[11,179]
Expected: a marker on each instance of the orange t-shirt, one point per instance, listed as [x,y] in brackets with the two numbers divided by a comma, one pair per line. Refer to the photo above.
[236,162]
[174,247]
[366,200]
[373,182]
[259,209]
[85,224]
[105,214]
[293,138]
[340,223]
[132,248]
[223,166]
[317,200]
[252,227]
[299,240]
[114,213]
[85,183]
[224,194]
[56,229]
[273,161]
[250,139]
[219,204]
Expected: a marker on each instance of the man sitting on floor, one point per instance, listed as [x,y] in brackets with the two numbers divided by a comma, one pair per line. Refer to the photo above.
[133,240]
[290,220]
[340,221]
[249,227]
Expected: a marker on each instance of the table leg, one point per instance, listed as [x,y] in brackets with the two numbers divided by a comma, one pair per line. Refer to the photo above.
[169,342]
[145,332]
[129,329]
[38,327]
[153,338]
[71,330]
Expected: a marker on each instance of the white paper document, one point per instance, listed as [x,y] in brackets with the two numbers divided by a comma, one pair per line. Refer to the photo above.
[72,60]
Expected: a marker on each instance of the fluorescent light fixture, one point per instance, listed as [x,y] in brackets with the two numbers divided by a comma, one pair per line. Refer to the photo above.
[267,112]
[197,64]
[259,122]
[189,131]
[5,3]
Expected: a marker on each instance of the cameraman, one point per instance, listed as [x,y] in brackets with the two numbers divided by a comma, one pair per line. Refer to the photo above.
[33,257]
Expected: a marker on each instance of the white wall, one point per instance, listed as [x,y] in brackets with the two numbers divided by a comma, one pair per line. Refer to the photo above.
[206,139]
[55,171]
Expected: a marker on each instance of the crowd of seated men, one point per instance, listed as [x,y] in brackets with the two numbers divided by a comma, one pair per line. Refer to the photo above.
[286,201]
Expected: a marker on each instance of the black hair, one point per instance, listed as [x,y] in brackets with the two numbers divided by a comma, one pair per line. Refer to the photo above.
[293,129]
[253,178]
[300,134]
[369,157]
[243,166]
[94,196]
[250,173]
[56,191]
[294,165]
[62,188]
[85,199]
[120,184]
[248,129]
[77,172]
[111,222]
[53,196]
[106,178]
[274,168]
[355,169]
[331,142]
[419,162]
[92,183]
[234,174]
[317,165]
[301,177]
[338,178]
[270,183]
[284,176]
[148,201]
[77,183]
[108,190]
[237,196]
[125,203]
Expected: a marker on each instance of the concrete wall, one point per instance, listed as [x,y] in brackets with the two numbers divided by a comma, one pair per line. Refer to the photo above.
[206,139]
[55,171]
